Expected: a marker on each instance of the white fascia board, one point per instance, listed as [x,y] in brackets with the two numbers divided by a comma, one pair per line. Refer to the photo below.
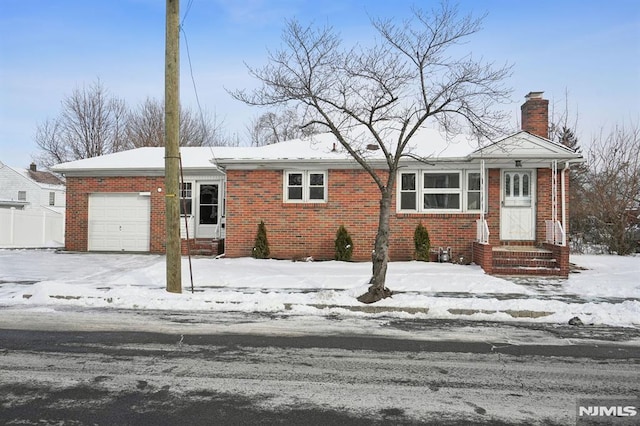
[230,164]
[135,172]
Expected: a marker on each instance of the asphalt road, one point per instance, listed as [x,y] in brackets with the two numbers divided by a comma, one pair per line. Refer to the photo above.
[112,375]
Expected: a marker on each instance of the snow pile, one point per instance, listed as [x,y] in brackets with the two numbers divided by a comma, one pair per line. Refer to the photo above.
[608,292]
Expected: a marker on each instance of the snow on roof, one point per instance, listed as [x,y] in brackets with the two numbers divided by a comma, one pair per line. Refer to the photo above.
[43,179]
[429,143]
[148,158]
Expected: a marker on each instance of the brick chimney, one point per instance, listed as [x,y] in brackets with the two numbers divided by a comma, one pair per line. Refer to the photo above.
[535,114]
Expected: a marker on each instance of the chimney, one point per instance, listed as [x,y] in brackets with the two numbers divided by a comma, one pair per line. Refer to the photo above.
[33,167]
[535,115]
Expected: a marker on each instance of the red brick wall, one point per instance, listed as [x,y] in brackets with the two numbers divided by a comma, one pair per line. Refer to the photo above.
[535,116]
[544,212]
[300,230]
[77,211]
[483,256]
[493,201]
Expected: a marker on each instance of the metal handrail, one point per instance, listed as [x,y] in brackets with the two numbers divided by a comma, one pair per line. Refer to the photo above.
[482,231]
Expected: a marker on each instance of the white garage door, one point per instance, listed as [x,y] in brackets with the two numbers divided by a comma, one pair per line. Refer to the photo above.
[119,222]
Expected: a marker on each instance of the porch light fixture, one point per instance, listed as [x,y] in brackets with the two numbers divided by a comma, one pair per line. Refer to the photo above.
[518,163]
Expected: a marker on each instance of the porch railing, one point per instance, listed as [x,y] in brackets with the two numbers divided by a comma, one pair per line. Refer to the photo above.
[482,231]
[555,233]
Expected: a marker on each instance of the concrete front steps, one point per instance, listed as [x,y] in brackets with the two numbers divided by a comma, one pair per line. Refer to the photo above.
[524,260]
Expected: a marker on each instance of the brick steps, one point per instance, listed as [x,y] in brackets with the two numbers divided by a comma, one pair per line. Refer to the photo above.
[524,261]
[204,247]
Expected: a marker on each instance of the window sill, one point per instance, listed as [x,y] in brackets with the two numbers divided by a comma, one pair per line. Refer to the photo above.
[321,205]
[437,214]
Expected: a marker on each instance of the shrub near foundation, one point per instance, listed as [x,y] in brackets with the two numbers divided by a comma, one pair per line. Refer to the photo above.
[261,246]
[422,243]
[344,244]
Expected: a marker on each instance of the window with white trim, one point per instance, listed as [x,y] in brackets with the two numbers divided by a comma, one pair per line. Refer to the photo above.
[22,195]
[186,198]
[408,191]
[473,191]
[52,198]
[439,191]
[305,187]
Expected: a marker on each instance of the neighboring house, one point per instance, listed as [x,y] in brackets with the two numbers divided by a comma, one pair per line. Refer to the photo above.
[32,205]
[504,204]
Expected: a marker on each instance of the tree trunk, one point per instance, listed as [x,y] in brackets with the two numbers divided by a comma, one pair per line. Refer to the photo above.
[380,256]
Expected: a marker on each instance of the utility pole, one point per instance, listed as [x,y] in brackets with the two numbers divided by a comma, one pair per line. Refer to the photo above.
[172,149]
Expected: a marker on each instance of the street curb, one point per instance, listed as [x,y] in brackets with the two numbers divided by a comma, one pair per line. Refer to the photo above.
[372,309]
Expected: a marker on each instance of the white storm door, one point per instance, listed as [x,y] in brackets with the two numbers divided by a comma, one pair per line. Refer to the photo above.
[119,222]
[208,210]
[517,211]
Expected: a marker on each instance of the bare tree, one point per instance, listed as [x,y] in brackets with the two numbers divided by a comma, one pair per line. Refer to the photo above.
[612,189]
[145,127]
[49,141]
[272,127]
[91,123]
[563,131]
[407,78]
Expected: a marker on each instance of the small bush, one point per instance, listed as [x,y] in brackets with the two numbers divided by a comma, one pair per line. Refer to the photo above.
[344,244]
[422,242]
[261,246]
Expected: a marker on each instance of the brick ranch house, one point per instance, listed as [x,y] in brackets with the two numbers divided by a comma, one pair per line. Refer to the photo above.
[503,205]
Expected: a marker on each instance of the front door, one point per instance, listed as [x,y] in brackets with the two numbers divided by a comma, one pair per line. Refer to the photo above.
[208,213]
[517,212]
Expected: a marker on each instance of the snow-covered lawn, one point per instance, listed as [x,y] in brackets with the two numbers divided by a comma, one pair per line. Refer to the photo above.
[607,292]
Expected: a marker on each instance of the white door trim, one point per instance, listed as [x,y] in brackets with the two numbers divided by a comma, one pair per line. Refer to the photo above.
[205,225]
[518,205]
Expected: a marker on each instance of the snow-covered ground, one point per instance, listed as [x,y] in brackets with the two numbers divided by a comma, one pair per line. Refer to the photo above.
[607,292]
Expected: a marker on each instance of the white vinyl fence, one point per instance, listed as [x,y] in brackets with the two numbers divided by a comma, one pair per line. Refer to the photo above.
[31,228]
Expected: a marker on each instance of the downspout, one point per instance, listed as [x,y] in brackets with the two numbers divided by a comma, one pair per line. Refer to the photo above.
[564,204]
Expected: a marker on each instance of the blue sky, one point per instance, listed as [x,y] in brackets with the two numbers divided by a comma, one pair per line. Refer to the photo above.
[588,49]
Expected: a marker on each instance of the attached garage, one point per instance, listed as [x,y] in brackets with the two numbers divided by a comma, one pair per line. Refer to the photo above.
[119,222]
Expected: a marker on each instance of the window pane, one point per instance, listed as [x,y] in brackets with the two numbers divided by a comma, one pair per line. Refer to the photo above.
[474,182]
[507,185]
[295,179]
[208,215]
[316,179]
[473,201]
[185,206]
[22,195]
[185,190]
[525,185]
[408,201]
[442,180]
[209,194]
[408,182]
[52,198]
[516,185]
[442,201]
[316,193]
[295,193]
